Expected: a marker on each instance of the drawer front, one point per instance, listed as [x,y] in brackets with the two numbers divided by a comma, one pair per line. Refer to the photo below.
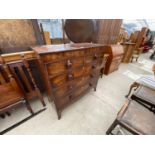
[59,80]
[62,102]
[80,91]
[87,70]
[88,52]
[89,59]
[70,86]
[71,54]
[51,57]
[62,66]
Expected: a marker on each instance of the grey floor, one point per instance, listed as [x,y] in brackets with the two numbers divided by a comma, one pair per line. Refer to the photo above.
[90,115]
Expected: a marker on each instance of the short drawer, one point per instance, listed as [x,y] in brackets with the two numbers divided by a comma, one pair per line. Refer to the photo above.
[89,59]
[76,53]
[88,52]
[87,69]
[51,57]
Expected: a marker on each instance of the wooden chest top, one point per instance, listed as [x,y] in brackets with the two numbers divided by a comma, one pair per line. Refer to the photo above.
[44,49]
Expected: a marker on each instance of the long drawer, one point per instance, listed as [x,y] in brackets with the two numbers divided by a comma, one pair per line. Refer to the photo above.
[71,86]
[62,102]
[59,80]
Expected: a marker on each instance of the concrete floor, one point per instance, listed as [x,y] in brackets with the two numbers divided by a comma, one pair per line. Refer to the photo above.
[92,114]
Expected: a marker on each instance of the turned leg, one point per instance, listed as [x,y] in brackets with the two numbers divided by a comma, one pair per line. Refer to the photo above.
[131,59]
[111,128]
[41,98]
[59,114]
[8,113]
[101,72]
[94,88]
[131,87]
[29,107]
[2,116]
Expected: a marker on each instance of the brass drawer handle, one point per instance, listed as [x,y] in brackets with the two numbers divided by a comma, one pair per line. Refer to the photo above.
[70,76]
[69,63]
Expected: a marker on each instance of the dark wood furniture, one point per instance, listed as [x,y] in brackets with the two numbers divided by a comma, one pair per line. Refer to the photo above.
[108,31]
[115,57]
[80,30]
[10,93]
[17,35]
[69,70]
[133,47]
[22,73]
[102,31]
[20,69]
[128,51]
[135,118]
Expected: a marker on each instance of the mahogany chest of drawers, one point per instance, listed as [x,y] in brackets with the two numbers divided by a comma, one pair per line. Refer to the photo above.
[69,70]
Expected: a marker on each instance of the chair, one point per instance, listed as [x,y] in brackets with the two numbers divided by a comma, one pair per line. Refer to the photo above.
[136,54]
[145,96]
[147,81]
[21,71]
[143,81]
[135,118]
[10,93]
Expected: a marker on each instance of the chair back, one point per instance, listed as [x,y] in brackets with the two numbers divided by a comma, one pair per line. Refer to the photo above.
[6,78]
[22,73]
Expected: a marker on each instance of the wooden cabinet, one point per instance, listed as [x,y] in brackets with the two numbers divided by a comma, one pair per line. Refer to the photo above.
[69,70]
[128,51]
[115,57]
[108,31]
